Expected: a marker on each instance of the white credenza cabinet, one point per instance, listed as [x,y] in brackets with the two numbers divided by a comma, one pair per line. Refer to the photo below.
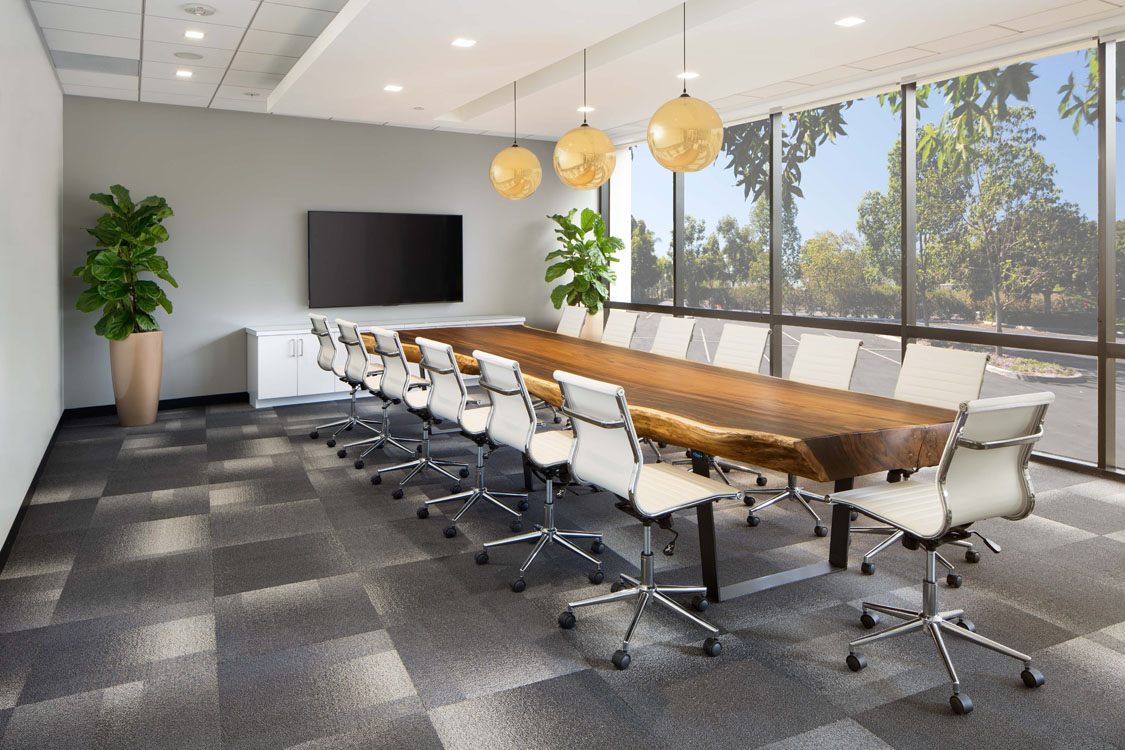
[281,361]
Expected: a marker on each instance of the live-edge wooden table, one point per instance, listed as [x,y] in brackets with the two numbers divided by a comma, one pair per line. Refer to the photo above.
[823,434]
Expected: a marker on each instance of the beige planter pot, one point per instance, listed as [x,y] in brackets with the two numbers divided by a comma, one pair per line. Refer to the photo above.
[592,327]
[137,363]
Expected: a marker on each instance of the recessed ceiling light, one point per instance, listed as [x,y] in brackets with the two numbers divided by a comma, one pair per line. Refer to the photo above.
[188,55]
[183,74]
[687,75]
[849,21]
[392,87]
[195,9]
[194,34]
[585,109]
[459,42]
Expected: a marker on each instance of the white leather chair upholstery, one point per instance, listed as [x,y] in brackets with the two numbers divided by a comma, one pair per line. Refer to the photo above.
[673,336]
[353,372]
[449,400]
[983,474]
[607,454]
[413,392]
[619,328]
[571,321]
[326,359]
[512,423]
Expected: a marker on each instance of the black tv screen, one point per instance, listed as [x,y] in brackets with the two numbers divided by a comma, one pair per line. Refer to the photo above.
[383,259]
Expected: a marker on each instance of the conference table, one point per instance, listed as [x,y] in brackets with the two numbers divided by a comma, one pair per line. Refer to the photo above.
[822,434]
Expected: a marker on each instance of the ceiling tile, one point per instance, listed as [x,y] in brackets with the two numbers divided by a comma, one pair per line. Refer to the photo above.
[821,77]
[287,19]
[968,39]
[1066,13]
[167,71]
[124,6]
[776,89]
[239,93]
[250,105]
[263,63]
[887,59]
[89,20]
[176,86]
[171,31]
[183,100]
[100,92]
[124,66]
[269,43]
[250,78]
[92,44]
[227,12]
[333,5]
[166,53]
[102,80]
[725,102]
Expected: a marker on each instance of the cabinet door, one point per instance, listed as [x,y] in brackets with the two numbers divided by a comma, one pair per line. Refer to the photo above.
[277,366]
[311,379]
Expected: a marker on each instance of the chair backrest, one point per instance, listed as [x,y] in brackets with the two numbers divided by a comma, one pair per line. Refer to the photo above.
[511,421]
[606,452]
[570,324]
[983,471]
[619,328]
[396,375]
[447,393]
[741,347]
[673,336]
[825,360]
[326,356]
[355,368]
[940,377]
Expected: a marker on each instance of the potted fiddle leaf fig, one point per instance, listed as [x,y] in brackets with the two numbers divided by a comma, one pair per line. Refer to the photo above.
[126,237]
[586,252]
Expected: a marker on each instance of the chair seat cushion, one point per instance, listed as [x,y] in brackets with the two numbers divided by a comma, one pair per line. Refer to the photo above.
[663,488]
[416,398]
[550,448]
[373,379]
[338,370]
[473,421]
[914,507]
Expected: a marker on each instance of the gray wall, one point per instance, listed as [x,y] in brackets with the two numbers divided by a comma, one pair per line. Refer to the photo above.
[240,185]
[30,210]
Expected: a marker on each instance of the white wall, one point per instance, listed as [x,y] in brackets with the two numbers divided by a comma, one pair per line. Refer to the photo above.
[30,211]
[240,185]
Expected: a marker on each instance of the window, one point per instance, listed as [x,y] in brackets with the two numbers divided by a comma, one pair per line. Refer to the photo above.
[647,277]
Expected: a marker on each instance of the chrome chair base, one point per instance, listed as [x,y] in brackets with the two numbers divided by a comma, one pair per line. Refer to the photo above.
[867,567]
[644,591]
[546,534]
[470,497]
[721,466]
[936,624]
[351,421]
[418,465]
[790,492]
[382,438]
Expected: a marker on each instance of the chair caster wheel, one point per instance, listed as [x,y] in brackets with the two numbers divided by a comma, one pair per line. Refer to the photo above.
[967,625]
[617,585]
[821,530]
[712,647]
[463,473]
[454,489]
[752,520]
[418,449]
[518,585]
[856,662]
[597,547]
[868,569]
[566,620]
[516,526]
[894,475]
[961,704]
[342,453]
[972,556]
[522,505]
[621,659]
[748,501]
[423,512]
[1032,677]
[869,619]
[761,481]
[332,443]
[376,479]
[953,580]
[662,445]
[482,558]
[557,419]
[596,576]
[699,603]
[314,435]
[853,516]
[359,463]
[397,494]
[450,532]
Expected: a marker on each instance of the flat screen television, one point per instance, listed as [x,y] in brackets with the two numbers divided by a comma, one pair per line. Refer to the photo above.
[358,259]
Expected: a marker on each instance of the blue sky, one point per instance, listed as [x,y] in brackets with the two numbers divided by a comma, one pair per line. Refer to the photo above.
[835,180]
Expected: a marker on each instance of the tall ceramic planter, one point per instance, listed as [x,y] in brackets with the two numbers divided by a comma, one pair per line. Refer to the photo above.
[137,362]
[592,327]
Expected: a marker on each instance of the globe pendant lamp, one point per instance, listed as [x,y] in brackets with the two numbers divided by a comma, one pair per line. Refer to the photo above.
[515,172]
[685,134]
[584,157]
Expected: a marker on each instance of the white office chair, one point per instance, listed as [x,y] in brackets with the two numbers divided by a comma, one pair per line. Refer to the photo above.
[326,359]
[449,400]
[983,474]
[827,361]
[411,390]
[619,328]
[607,454]
[512,423]
[939,377]
[673,336]
[570,324]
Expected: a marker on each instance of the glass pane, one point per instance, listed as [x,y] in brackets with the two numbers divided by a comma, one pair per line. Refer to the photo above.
[727,224]
[643,192]
[876,365]
[1007,198]
[840,211]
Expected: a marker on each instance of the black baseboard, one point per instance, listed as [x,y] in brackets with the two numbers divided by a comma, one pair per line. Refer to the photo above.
[10,540]
[165,403]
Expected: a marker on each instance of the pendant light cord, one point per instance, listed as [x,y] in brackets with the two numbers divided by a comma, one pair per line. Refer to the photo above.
[514,141]
[583,86]
[684,70]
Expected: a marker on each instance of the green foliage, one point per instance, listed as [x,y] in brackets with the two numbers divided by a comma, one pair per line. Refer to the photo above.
[587,252]
[651,280]
[126,237]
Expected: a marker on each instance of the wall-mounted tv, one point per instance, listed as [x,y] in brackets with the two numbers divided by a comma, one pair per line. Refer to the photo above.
[358,259]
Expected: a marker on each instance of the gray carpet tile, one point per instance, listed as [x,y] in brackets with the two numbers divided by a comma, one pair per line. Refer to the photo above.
[218,579]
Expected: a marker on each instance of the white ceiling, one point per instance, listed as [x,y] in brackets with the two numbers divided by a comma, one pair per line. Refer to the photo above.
[753,56]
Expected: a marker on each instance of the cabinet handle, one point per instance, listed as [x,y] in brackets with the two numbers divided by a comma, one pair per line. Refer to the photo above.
[292,347]
[301,347]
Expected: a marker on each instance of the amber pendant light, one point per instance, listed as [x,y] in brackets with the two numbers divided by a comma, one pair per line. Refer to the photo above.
[584,157]
[685,134]
[515,172]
